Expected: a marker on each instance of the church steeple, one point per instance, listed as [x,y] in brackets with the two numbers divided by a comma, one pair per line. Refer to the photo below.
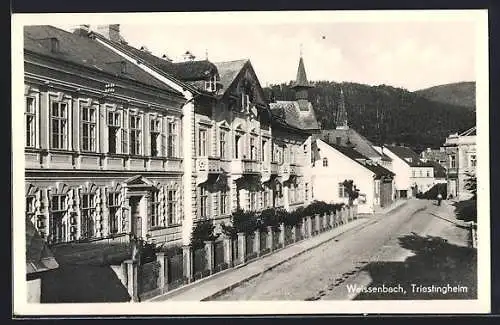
[301,85]
[341,117]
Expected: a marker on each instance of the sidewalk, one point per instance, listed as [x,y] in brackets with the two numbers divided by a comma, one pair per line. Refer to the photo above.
[222,282]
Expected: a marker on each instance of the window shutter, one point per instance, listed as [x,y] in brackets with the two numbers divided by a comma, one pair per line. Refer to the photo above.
[124,141]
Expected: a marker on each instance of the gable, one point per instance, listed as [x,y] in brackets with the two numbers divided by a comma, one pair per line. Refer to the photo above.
[138,180]
[340,161]
[247,82]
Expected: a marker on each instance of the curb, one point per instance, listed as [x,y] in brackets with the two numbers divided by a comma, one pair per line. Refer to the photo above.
[269,268]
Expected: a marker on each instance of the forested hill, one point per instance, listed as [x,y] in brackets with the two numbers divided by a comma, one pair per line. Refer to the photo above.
[384,114]
[459,94]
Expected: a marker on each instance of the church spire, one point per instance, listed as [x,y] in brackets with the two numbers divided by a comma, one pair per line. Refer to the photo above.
[341,117]
[301,85]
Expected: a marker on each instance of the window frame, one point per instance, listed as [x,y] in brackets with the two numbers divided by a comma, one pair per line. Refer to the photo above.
[62,122]
[202,142]
[203,210]
[155,127]
[172,133]
[155,216]
[87,215]
[117,127]
[172,214]
[325,162]
[91,124]
[30,140]
[136,141]
[113,203]
[58,214]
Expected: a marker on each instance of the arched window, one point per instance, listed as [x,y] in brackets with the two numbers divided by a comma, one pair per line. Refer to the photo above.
[325,162]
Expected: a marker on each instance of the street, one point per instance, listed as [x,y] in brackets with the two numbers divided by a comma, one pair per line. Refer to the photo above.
[409,253]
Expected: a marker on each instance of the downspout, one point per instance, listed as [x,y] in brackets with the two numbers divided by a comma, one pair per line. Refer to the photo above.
[187,153]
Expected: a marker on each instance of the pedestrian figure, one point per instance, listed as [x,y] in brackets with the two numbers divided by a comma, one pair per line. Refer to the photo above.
[439,198]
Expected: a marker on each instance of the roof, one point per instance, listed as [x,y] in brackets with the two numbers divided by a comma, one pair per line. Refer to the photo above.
[228,71]
[405,153]
[86,52]
[350,137]
[301,79]
[439,170]
[292,114]
[366,162]
[39,258]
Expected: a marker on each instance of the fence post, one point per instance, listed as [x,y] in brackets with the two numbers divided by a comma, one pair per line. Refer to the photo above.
[325,224]
[187,258]
[309,227]
[270,240]
[344,215]
[228,251]
[160,258]
[132,285]
[294,233]
[282,235]
[209,253]
[318,224]
[256,242]
[303,228]
[242,249]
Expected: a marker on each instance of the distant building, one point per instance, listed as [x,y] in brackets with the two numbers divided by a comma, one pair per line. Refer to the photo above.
[412,174]
[337,164]
[437,155]
[462,161]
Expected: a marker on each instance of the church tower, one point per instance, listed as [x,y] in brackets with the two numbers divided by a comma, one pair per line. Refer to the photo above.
[341,116]
[301,87]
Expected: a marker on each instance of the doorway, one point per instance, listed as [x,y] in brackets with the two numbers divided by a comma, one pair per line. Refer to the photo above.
[135,215]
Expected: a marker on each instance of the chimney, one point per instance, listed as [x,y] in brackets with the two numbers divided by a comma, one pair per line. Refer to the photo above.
[145,49]
[82,30]
[111,32]
[166,58]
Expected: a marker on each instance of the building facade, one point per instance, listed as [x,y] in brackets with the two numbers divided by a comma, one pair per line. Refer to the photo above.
[337,164]
[462,162]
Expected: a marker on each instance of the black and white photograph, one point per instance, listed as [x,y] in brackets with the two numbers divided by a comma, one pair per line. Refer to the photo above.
[251,162]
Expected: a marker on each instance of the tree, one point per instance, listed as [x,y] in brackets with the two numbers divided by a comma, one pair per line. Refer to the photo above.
[471,184]
[351,190]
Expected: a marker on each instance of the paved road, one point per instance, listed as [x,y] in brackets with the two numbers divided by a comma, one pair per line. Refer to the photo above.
[391,251]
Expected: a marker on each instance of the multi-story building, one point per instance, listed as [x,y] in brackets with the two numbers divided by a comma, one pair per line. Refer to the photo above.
[102,145]
[120,141]
[437,155]
[462,162]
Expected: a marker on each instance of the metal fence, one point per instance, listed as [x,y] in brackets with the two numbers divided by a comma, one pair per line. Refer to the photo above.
[234,243]
[148,274]
[276,240]
[250,253]
[219,263]
[175,275]
[288,235]
[200,265]
[263,243]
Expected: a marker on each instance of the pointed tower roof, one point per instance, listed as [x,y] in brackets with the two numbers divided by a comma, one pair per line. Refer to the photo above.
[341,117]
[301,80]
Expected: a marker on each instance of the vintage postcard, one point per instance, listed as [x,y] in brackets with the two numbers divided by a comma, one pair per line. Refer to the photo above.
[320,162]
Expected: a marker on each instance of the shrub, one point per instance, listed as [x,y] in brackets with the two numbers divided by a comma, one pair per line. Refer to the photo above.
[271,218]
[203,231]
[295,217]
[243,221]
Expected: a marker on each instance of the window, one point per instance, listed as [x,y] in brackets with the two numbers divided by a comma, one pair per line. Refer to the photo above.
[224,202]
[264,150]
[253,149]
[222,144]
[202,143]
[155,209]
[253,201]
[265,198]
[114,123]
[211,84]
[30,115]
[342,191]
[172,139]
[203,202]
[87,216]
[172,207]
[237,146]
[306,194]
[30,207]
[325,162]
[58,125]
[114,209]
[154,132]
[245,102]
[428,173]
[453,161]
[473,161]
[58,227]
[135,135]
[88,128]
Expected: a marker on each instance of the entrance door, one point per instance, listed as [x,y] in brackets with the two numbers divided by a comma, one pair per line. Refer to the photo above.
[136,219]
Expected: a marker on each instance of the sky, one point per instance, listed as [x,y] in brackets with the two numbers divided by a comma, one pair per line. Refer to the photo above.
[412,54]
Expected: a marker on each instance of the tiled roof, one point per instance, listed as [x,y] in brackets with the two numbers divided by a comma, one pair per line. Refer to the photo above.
[228,71]
[405,153]
[349,137]
[39,258]
[291,113]
[86,52]
[366,162]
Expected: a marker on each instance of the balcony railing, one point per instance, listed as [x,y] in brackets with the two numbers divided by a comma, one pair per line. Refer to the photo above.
[274,168]
[252,167]
[211,165]
[452,172]
[295,169]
